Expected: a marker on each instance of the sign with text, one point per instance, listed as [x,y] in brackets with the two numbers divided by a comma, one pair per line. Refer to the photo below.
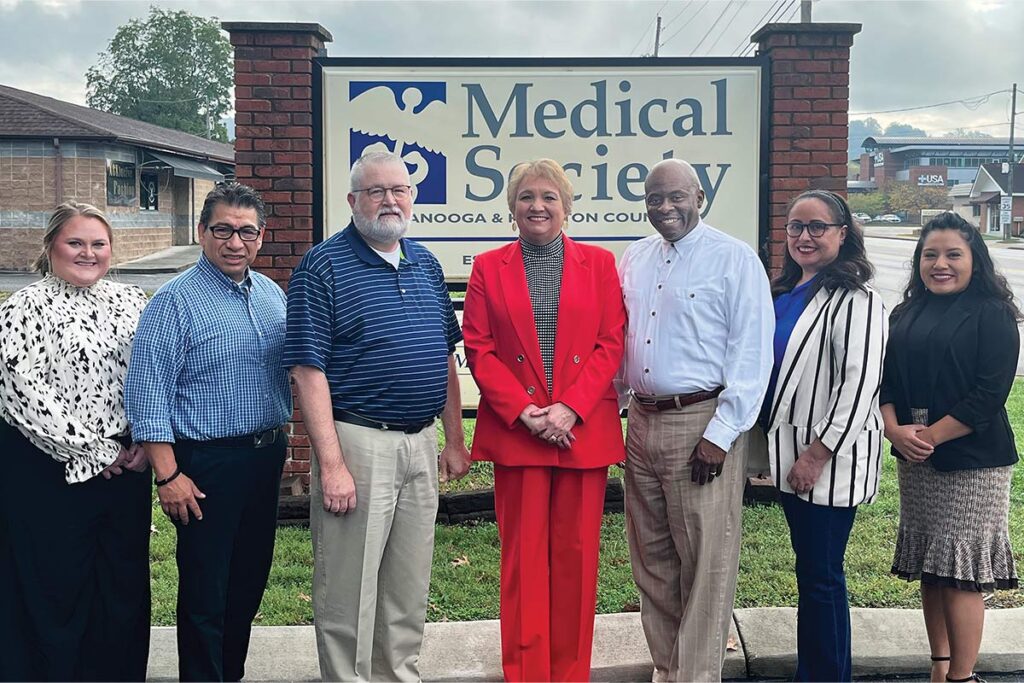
[121,183]
[462,125]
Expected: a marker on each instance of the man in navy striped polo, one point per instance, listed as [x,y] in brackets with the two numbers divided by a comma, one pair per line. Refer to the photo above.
[370,342]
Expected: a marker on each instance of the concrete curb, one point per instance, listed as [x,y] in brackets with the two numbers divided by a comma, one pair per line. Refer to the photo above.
[885,642]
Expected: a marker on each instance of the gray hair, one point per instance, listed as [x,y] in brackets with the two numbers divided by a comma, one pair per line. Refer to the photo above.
[355,177]
[61,215]
[683,167]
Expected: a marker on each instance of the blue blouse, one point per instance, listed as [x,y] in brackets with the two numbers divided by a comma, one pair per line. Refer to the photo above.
[788,309]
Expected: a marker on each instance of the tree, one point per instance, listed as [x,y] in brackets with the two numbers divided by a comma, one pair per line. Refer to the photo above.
[966,133]
[904,130]
[173,69]
[871,203]
[911,198]
[860,129]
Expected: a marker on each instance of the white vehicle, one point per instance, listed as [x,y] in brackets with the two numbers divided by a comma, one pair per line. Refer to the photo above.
[862,217]
[890,218]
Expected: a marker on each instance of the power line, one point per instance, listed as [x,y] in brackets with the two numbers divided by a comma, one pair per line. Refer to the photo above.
[678,14]
[776,16]
[971,103]
[708,33]
[687,23]
[744,43]
[739,8]
[644,34]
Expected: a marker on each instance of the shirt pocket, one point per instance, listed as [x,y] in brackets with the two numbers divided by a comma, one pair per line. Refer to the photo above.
[703,312]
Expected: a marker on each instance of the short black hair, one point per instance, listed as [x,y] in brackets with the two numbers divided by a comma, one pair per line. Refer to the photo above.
[231,193]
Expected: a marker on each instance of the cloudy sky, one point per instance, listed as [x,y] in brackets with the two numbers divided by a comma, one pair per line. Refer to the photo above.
[910,53]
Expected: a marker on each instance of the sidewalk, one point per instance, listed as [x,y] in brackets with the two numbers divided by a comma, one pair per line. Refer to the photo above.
[885,642]
[170,260]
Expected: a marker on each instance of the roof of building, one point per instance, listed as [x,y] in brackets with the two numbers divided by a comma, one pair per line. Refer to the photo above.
[995,171]
[899,141]
[28,115]
[960,190]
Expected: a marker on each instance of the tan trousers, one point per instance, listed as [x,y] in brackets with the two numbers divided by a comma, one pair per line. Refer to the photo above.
[684,540]
[372,566]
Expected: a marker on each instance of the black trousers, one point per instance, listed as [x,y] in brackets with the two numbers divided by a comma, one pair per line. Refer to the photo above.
[224,560]
[74,570]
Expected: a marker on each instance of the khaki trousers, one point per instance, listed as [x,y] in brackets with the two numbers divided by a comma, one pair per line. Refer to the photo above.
[372,566]
[684,540]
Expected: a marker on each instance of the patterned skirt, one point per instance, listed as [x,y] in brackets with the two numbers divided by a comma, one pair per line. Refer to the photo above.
[954,528]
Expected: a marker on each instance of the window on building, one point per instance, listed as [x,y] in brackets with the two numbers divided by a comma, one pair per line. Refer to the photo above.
[976,210]
[149,192]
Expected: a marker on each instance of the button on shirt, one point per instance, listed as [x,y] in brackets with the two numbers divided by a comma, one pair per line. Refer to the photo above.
[381,336]
[206,361]
[700,317]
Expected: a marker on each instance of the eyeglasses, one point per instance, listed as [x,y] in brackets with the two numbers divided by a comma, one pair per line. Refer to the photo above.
[377,194]
[814,228]
[226,232]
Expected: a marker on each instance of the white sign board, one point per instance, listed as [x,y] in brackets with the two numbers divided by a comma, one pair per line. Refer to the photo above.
[461,126]
[1005,203]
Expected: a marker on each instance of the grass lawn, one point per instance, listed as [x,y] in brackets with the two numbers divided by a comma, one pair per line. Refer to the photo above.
[464,585]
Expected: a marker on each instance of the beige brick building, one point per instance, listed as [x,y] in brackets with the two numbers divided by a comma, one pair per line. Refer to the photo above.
[149,180]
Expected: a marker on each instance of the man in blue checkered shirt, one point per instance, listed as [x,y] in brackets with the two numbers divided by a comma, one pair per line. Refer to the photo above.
[207,396]
[371,332]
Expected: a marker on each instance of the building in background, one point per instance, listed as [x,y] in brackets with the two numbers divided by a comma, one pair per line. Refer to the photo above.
[928,162]
[989,189]
[149,180]
[960,198]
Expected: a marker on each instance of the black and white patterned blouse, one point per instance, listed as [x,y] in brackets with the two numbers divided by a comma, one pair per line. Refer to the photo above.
[543,266]
[63,355]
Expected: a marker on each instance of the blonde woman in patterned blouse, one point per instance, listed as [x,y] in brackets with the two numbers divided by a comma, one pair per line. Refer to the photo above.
[74,497]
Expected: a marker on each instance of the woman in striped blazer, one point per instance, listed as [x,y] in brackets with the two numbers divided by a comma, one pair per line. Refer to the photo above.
[821,414]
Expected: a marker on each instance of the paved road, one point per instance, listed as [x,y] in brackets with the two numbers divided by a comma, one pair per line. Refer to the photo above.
[891,259]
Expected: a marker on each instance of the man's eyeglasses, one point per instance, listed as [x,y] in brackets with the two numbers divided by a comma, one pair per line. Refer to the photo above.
[814,228]
[377,194]
[225,232]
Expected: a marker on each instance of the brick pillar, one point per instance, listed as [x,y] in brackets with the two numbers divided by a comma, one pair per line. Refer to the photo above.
[809,104]
[274,153]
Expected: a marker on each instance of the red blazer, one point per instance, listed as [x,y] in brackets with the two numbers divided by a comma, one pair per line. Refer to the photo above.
[504,357]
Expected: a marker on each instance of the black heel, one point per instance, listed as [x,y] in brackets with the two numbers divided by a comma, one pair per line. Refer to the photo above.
[940,659]
[972,677]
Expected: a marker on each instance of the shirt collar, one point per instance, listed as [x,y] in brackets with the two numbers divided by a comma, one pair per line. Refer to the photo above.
[206,266]
[368,255]
[687,240]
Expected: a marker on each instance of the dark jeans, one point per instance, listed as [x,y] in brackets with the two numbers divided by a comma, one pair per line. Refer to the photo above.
[74,570]
[819,534]
[224,560]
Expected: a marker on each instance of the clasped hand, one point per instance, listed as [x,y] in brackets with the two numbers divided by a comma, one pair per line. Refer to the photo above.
[909,442]
[132,459]
[552,424]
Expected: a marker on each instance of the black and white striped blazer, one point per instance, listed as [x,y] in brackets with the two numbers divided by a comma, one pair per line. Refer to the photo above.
[828,388]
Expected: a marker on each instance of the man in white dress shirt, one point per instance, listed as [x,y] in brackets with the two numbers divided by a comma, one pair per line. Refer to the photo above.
[698,360]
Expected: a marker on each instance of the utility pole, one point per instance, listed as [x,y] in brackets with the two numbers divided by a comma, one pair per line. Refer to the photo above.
[1008,225]
[805,11]
[657,36]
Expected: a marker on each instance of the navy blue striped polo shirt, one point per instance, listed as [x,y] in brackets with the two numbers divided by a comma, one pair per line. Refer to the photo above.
[381,336]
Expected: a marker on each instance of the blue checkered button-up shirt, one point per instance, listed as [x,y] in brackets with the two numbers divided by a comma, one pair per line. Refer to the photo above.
[206,361]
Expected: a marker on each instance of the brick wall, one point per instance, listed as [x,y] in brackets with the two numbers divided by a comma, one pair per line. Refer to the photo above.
[274,153]
[809,103]
[22,245]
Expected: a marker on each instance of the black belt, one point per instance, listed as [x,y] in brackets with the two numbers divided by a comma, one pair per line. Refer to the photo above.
[258,440]
[359,421]
[676,402]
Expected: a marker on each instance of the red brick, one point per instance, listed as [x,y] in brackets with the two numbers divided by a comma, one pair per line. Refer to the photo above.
[840,66]
[790,53]
[293,53]
[298,440]
[254,158]
[293,236]
[293,105]
[253,131]
[253,53]
[831,184]
[812,118]
[777,40]
[242,119]
[830,131]
[301,119]
[287,261]
[813,66]
[272,65]
[779,93]
[243,144]
[788,183]
[792,131]
[272,119]
[241,39]
[841,93]
[782,119]
[275,39]
[243,65]
[782,145]
[293,184]
[831,105]
[812,92]
[293,157]
[243,92]
[272,92]
[277,197]
[792,105]
[791,157]
[302,92]
[293,210]
[252,105]
[791,79]
[303,198]
[303,170]
[304,222]
[302,66]
[280,223]
[276,248]
[811,171]
[840,144]
[779,170]
[831,79]
[293,132]
[260,184]
[269,171]
[262,262]
[252,79]
[811,144]
[832,53]
[243,170]
[815,39]
[302,145]
[783,67]
[292,79]
[272,144]
[845,40]
[829,158]
[840,119]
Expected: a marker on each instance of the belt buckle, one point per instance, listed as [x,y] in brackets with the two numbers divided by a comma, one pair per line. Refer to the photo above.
[266,438]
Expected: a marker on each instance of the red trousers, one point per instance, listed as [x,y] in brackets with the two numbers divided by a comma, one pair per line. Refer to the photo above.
[549,522]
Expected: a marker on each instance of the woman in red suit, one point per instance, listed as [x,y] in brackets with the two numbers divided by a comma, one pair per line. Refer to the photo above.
[543,325]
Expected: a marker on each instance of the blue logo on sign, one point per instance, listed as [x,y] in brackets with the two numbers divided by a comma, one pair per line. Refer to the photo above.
[406,118]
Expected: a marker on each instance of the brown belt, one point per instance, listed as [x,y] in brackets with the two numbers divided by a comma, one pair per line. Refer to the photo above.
[676,402]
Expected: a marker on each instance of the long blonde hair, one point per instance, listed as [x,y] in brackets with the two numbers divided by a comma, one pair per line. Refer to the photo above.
[61,215]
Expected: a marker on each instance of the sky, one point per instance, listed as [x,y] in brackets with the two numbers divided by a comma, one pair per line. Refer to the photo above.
[909,53]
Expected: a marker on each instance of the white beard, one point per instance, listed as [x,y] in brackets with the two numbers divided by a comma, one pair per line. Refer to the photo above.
[384,228]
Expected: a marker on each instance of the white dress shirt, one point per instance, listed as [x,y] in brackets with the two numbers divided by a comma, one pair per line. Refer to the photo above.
[700,317]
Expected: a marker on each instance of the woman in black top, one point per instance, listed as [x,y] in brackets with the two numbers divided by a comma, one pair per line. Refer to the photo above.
[949,367]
